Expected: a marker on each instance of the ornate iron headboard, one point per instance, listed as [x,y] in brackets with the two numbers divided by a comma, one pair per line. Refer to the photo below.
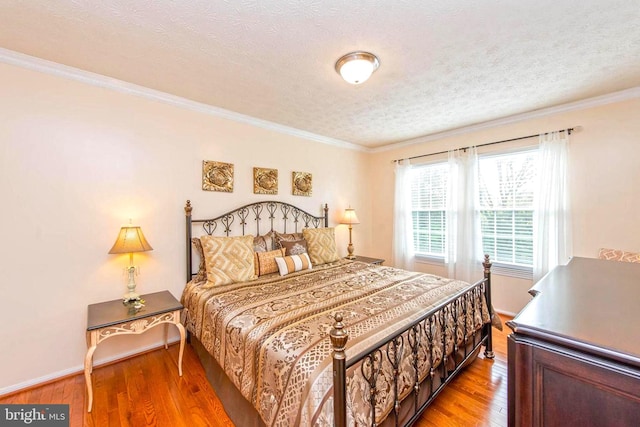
[279,213]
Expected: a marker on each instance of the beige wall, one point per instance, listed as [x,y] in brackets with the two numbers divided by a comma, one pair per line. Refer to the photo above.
[605,174]
[77,161]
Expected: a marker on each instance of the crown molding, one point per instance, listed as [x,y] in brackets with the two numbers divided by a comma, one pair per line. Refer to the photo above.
[597,101]
[59,70]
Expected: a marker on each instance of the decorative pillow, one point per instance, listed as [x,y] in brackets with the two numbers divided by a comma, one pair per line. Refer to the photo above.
[321,245]
[294,247]
[228,259]
[265,243]
[496,322]
[618,255]
[610,254]
[201,275]
[266,261]
[292,263]
[279,237]
[630,257]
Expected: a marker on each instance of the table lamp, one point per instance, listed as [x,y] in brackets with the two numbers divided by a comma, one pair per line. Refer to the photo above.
[350,218]
[130,240]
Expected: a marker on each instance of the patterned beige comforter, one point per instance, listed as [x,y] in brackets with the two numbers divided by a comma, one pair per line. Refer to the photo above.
[271,336]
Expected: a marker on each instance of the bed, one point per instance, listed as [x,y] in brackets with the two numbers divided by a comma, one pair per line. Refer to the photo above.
[342,343]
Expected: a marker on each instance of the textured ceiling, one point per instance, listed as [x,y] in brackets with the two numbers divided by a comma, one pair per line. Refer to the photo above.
[444,64]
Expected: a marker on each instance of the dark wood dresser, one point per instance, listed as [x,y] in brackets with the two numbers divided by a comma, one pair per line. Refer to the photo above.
[574,355]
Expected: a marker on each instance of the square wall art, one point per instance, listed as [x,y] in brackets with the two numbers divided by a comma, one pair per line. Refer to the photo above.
[217,176]
[265,181]
[301,183]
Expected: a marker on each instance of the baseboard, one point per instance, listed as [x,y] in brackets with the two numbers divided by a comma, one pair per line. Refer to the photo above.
[506,313]
[79,369]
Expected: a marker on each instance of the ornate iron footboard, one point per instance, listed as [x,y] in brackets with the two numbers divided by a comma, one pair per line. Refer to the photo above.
[392,348]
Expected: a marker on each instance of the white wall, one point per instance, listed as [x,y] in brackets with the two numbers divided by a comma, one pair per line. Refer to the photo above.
[77,161]
[605,174]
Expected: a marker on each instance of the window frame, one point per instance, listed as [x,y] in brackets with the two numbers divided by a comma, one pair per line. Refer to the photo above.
[499,268]
[503,268]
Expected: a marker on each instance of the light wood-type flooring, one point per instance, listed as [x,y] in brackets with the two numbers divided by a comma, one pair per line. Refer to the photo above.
[146,390]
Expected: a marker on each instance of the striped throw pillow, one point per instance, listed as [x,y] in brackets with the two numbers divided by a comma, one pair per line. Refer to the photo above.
[289,264]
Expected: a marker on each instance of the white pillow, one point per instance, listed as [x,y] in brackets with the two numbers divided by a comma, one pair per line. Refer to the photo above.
[289,264]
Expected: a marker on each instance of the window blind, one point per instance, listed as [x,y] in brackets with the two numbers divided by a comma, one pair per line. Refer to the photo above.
[429,200]
[507,185]
[506,196]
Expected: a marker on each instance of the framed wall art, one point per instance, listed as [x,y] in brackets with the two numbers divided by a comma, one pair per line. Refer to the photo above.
[265,181]
[217,176]
[302,183]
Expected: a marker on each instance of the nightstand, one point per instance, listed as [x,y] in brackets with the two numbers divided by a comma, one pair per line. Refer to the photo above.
[112,318]
[375,261]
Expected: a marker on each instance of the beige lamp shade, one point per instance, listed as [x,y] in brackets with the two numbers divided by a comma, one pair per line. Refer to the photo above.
[130,240]
[349,217]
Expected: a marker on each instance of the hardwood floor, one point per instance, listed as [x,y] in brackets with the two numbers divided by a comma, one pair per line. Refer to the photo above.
[477,396]
[146,391]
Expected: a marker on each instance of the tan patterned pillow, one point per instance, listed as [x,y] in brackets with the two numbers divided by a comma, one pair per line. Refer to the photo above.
[321,245]
[265,243]
[618,255]
[201,275]
[289,237]
[228,259]
[610,254]
[630,257]
[266,261]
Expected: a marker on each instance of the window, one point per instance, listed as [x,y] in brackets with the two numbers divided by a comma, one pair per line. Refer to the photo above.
[507,185]
[428,211]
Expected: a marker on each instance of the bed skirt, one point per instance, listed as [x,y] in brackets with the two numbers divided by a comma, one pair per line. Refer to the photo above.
[239,410]
[243,414]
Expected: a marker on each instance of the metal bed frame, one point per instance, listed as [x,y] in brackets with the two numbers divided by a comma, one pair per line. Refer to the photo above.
[392,347]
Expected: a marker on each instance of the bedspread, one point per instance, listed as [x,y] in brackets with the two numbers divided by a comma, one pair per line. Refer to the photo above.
[271,335]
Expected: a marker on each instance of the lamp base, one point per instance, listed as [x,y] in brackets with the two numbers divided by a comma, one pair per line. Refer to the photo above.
[131,296]
[350,248]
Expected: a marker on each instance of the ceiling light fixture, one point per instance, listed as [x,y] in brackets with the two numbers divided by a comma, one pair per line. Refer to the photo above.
[357,67]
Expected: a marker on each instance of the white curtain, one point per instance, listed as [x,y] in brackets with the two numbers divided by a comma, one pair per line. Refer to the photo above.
[552,217]
[402,221]
[464,241]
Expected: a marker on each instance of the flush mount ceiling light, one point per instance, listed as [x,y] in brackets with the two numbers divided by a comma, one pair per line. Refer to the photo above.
[357,67]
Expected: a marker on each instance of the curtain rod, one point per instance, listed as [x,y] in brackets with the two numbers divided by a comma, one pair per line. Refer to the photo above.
[568,130]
